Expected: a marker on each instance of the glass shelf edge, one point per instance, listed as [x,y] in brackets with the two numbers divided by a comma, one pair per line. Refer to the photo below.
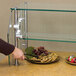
[47,40]
[43,10]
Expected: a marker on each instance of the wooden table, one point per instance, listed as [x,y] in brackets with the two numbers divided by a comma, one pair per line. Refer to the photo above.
[60,68]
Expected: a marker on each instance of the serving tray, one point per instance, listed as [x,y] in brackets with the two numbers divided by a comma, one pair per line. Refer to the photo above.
[69,62]
[38,62]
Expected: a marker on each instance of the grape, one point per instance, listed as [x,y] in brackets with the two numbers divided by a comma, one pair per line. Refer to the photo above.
[46,52]
[40,50]
[35,51]
[40,47]
[38,53]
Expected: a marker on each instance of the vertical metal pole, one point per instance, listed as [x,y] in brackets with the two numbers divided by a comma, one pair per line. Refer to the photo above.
[16,39]
[16,61]
[26,25]
[10,26]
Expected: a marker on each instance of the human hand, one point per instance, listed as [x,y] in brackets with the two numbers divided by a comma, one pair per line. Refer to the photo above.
[18,54]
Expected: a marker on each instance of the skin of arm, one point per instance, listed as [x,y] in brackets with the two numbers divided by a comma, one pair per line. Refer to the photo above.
[18,54]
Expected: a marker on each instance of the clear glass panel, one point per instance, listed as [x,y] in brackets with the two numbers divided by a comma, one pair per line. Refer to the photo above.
[36,6]
[10,35]
[38,25]
[44,10]
[47,24]
[51,26]
[17,26]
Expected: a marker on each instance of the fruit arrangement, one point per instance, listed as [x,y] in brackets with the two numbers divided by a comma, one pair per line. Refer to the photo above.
[40,55]
[71,59]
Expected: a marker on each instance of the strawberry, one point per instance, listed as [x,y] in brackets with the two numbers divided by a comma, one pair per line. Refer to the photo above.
[72,61]
[75,59]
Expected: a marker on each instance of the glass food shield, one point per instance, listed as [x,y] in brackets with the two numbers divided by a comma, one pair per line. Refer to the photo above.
[33,24]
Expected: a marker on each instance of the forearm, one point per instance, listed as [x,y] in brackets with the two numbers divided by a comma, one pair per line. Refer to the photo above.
[6,48]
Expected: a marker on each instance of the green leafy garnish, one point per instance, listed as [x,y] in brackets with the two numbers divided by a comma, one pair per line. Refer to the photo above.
[29,50]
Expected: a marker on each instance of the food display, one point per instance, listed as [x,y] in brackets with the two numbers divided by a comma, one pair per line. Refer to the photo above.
[40,55]
[71,59]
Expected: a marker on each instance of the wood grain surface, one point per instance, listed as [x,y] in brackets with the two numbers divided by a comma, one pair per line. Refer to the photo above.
[60,68]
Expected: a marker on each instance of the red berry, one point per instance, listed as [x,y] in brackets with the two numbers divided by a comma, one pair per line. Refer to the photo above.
[72,61]
[75,59]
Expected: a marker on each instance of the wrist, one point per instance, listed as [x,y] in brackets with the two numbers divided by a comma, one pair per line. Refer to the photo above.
[14,50]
